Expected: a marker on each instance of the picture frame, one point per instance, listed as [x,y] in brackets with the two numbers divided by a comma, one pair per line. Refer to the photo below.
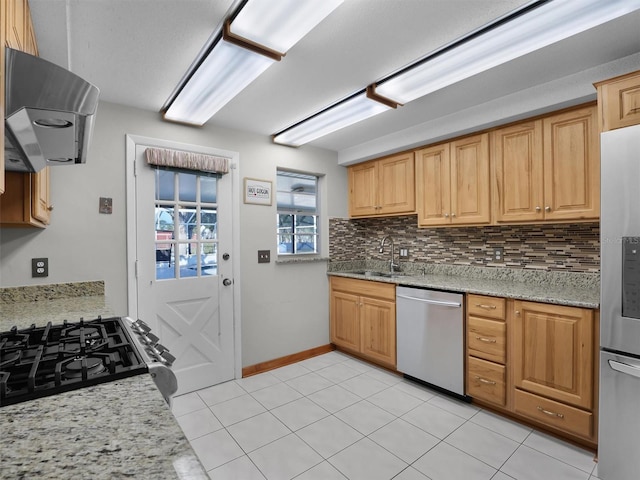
[258,192]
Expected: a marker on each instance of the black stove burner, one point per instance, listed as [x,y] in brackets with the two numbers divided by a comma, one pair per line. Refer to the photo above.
[83,366]
[40,361]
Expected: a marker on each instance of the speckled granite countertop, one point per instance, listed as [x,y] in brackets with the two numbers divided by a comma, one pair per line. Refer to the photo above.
[120,429]
[114,430]
[560,288]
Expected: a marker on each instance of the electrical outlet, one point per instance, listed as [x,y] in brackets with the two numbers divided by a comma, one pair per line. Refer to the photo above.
[404,252]
[264,256]
[498,254]
[39,267]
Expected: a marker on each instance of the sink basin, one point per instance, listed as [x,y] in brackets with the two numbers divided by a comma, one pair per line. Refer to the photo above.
[372,273]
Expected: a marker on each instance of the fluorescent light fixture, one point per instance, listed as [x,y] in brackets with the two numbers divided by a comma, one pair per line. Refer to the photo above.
[278,24]
[536,25]
[540,27]
[255,38]
[340,115]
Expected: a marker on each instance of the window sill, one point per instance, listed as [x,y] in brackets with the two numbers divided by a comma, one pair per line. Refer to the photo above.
[282,260]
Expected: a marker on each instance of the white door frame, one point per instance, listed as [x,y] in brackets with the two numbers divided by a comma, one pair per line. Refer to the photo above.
[132,297]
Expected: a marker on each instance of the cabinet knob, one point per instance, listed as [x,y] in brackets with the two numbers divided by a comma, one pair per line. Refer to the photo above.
[50,207]
[538,209]
[547,209]
[517,312]
[446,215]
[453,215]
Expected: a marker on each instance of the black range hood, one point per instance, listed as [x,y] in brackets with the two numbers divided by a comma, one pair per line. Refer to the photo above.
[49,114]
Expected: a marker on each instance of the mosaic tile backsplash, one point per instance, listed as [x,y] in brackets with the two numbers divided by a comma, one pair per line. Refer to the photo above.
[561,247]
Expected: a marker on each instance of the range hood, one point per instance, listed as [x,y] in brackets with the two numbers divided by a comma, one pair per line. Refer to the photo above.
[49,114]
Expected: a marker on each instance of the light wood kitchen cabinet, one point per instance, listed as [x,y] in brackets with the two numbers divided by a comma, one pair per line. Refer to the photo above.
[363,318]
[382,187]
[25,199]
[25,202]
[3,37]
[452,183]
[547,169]
[619,101]
[486,349]
[553,370]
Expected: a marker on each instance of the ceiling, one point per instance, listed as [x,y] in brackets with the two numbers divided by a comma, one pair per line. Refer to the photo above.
[136,52]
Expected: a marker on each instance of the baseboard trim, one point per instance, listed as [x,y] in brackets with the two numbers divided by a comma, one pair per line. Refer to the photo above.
[286,360]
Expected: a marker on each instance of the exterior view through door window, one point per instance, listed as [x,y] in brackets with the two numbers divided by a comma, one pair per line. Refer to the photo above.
[297,228]
[186,239]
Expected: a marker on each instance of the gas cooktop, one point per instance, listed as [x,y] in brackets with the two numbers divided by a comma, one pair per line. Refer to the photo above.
[41,361]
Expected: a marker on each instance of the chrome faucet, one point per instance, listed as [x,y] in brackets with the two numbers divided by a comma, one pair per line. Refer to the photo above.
[392,265]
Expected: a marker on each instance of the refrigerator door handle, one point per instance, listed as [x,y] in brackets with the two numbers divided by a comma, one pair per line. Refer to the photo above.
[625,368]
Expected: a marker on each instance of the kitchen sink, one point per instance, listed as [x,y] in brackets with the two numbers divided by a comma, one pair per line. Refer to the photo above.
[373,273]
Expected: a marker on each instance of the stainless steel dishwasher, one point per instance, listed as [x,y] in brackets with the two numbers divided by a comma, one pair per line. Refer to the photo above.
[430,337]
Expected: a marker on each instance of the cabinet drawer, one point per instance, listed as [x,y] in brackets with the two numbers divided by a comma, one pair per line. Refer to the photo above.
[486,381]
[367,288]
[486,339]
[484,306]
[554,414]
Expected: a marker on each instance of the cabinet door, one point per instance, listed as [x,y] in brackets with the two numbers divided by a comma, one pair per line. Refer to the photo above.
[378,330]
[396,184]
[619,102]
[433,182]
[470,190]
[363,189]
[40,208]
[15,22]
[517,181]
[3,36]
[345,325]
[553,352]
[571,165]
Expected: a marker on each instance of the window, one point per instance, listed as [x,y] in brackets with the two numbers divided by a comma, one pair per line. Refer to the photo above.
[297,213]
[186,236]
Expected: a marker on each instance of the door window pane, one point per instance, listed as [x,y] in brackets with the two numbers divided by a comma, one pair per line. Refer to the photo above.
[165,185]
[187,186]
[208,189]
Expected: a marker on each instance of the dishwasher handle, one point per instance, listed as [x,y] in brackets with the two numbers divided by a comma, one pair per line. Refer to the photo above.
[625,368]
[432,302]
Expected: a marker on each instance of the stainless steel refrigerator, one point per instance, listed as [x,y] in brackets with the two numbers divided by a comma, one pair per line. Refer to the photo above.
[619,424]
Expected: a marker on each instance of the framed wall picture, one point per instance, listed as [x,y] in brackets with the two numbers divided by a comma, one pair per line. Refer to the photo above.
[257,191]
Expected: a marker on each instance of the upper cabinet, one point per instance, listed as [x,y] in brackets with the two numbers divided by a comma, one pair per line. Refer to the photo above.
[25,199]
[547,169]
[452,183]
[619,101]
[382,187]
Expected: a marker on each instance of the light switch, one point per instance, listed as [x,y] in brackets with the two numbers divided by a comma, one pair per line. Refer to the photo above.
[264,256]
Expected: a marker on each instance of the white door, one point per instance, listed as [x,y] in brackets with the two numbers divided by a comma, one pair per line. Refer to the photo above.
[184,269]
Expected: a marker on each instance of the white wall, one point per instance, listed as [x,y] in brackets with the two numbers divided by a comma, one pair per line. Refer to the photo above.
[284,307]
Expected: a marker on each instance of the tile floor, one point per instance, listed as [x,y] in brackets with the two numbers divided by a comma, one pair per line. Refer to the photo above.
[335,417]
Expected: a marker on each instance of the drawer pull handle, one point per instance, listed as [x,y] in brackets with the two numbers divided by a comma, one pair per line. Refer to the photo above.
[486,340]
[551,414]
[484,380]
[488,307]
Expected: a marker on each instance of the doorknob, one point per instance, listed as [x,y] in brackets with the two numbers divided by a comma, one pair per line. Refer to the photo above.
[225,256]
[226,282]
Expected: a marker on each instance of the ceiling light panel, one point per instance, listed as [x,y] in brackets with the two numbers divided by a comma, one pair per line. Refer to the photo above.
[339,116]
[280,24]
[222,75]
[541,27]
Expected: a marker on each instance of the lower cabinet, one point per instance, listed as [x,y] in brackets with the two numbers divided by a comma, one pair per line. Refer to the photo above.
[536,362]
[363,318]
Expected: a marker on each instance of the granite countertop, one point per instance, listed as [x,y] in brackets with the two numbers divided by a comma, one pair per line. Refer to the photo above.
[560,288]
[118,429]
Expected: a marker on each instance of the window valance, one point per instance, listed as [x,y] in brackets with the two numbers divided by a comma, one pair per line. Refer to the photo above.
[163,157]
